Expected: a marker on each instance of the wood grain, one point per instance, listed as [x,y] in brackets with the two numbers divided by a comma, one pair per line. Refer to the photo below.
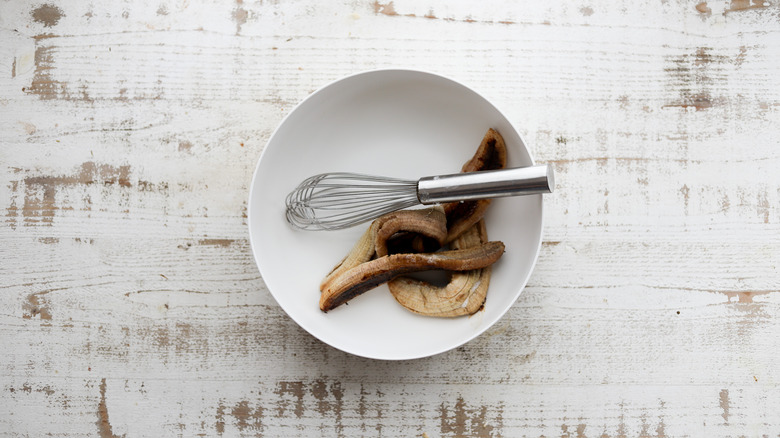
[130,304]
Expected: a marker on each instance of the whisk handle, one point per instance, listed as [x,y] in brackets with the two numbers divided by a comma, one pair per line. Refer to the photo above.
[486,184]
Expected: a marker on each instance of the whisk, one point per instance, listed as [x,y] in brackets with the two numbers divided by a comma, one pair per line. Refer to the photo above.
[333,201]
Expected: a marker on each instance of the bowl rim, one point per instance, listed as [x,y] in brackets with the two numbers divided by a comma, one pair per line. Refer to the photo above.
[521,286]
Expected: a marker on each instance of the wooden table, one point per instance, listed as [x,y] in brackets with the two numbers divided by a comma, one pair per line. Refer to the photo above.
[130,303]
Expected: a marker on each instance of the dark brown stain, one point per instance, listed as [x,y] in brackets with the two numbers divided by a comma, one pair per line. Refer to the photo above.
[49,240]
[240,15]
[744,5]
[103,424]
[13,68]
[581,431]
[724,404]
[465,421]
[48,15]
[184,146]
[224,243]
[35,305]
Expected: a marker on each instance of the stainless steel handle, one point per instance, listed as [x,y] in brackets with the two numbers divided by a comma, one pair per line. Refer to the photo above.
[486,184]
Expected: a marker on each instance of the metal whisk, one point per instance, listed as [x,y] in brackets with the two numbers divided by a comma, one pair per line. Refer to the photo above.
[332,201]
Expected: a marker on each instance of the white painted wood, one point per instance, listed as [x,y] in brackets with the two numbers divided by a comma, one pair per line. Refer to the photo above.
[130,303]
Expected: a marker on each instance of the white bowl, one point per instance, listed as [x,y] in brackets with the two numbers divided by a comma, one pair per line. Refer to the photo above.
[401,123]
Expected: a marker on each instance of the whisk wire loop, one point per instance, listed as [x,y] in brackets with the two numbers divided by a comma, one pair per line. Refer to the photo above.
[335,201]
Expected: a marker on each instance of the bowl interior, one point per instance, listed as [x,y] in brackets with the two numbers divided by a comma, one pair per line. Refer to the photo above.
[397,123]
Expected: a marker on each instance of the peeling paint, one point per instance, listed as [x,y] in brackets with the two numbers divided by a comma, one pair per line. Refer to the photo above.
[43,85]
[745,5]
[686,193]
[35,305]
[245,417]
[745,297]
[694,77]
[40,191]
[388,9]
[239,15]
[703,8]
[462,420]
[762,206]
[89,173]
[224,243]
[104,425]
[724,404]
[294,389]
[12,211]
[29,388]
[47,14]
[220,417]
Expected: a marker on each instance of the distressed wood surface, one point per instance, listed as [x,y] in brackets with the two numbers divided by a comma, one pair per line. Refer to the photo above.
[130,304]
